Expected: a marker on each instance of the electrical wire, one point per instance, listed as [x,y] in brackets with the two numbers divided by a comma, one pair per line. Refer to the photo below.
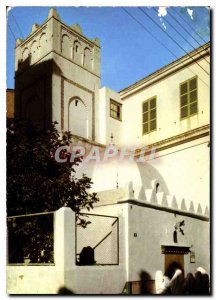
[159,41]
[182,36]
[11,31]
[184,28]
[172,39]
[20,31]
[186,22]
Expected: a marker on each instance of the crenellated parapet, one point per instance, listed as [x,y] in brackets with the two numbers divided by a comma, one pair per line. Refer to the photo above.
[53,36]
[153,198]
[160,200]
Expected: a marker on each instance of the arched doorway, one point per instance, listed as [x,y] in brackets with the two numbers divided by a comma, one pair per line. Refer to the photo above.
[78,118]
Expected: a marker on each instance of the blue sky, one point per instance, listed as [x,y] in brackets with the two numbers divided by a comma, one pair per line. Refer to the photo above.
[128,52]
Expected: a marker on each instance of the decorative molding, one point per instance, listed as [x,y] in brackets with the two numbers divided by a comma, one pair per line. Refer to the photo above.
[34,41]
[42,34]
[78,85]
[32,36]
[177,140]
[75,63]
[78,35]
[22,52]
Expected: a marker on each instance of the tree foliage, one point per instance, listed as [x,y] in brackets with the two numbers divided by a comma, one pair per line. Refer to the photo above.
[37,183]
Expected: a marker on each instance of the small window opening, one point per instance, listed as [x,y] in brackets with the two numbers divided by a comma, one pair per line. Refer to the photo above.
[157,187]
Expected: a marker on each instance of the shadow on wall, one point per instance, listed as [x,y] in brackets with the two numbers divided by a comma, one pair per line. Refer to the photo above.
[33,91]
[173,282]
[64,291]
[149,173]
[147,286]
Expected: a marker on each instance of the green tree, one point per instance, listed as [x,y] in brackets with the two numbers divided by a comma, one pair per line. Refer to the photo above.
[37,183]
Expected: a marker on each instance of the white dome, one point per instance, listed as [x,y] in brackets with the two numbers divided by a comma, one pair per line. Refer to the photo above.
[106,175]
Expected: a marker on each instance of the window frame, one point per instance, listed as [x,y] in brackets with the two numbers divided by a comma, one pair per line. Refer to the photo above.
[149,118]
[188,100]
[117,104]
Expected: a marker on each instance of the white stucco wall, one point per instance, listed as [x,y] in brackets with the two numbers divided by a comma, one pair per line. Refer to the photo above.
[186,171]
[168,107]
[155,228]
[41,279]
[34,279]
[103,279]
[22,279]
[107,125]
[182,171]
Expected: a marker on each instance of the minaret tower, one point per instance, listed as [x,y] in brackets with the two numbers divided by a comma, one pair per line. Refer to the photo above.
[57,77]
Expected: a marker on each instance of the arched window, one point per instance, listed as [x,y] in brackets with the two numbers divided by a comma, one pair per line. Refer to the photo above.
[87,58]
[25,54]
[78,118]
[34,51]
[43,44]
[33,47]
[77,56]
[66,46]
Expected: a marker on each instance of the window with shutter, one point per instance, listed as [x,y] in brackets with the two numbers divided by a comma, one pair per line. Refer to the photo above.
[115,110]
[188,98]
[149,116]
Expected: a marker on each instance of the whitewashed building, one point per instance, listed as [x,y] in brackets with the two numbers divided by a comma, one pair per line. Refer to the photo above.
[58,79]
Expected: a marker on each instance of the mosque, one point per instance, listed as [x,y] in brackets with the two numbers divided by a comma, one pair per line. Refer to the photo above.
[151,213]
